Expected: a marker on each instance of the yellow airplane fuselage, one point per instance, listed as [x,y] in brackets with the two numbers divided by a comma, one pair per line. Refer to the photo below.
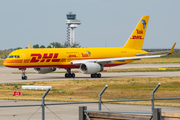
[62,57]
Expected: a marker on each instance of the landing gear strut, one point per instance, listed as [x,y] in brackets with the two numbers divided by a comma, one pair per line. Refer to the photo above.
[96,75]
[24,77]
[69,74]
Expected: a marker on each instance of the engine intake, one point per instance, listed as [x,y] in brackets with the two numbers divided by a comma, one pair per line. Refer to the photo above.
[44,70]
[91,68]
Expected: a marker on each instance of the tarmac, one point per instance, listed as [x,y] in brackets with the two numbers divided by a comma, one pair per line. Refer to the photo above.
[12,75]
[67,112]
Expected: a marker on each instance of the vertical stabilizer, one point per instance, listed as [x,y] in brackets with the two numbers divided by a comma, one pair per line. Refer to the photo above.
[136,39]
[29,46]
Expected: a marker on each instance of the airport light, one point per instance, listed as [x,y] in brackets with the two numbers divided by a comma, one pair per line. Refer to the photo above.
[47,88]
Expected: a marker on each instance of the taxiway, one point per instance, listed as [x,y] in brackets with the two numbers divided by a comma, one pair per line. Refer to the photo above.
[6,75]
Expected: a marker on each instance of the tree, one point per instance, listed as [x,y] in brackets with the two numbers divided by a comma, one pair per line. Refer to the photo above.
[42,46]
[49,46]
[36,46]
[66,45]
[76,45]
[56,45]
[18,48]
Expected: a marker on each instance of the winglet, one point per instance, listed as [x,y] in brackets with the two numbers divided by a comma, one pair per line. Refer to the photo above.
[29,46]
[172,49]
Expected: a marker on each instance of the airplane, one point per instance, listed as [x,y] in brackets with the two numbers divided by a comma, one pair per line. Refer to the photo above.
[88,60]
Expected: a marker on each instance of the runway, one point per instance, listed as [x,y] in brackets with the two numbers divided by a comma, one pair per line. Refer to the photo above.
[6,75]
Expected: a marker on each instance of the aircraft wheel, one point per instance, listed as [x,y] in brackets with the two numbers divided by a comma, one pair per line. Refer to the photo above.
[24,77]
[66,75]
[99,75]
[95,75]
[92,75]
[69,75]
[73,75]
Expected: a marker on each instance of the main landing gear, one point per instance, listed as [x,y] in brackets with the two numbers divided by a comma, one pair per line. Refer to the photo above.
[69,74]
[24,77]
[96,75]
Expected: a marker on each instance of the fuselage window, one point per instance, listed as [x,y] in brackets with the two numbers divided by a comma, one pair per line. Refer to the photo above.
[14,56]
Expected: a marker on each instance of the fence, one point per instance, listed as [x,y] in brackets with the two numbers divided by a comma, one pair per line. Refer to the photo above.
[44,111]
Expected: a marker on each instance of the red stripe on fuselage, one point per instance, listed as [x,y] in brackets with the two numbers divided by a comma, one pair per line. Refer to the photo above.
[58,66]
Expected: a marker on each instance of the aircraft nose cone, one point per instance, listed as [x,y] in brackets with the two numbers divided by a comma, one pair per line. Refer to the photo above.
[5,62]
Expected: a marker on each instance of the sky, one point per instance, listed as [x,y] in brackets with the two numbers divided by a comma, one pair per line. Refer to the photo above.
[105,23]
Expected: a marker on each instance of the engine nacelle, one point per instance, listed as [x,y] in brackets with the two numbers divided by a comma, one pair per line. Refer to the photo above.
[91,68]
[44,70]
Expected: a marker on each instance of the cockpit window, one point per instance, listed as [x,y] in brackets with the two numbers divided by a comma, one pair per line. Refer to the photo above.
[14,56]
[10,56]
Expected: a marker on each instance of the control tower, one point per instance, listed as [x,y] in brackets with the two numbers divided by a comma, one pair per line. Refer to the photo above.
[72,23]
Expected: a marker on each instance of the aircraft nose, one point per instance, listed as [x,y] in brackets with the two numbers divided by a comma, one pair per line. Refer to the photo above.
[4,63]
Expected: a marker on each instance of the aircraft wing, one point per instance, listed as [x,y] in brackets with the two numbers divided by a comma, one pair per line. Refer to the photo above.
[152,53]
[121,59]
[110,60]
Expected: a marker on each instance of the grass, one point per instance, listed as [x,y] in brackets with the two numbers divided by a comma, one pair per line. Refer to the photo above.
[175,54]
[168,69]
[88,90]
[1,62]
[157,61]
[2,54]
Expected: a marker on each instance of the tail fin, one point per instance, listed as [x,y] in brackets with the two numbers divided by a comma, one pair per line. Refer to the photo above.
[137,37]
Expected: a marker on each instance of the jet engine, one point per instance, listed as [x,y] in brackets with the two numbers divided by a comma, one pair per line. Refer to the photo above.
[91,68]
[44,70]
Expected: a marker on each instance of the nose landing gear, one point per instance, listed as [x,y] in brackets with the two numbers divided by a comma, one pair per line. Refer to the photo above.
[24,77]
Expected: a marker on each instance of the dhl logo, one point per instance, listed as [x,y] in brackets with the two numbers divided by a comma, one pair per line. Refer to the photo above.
[45,57]
[72,56]
[136,37]
[139,31]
